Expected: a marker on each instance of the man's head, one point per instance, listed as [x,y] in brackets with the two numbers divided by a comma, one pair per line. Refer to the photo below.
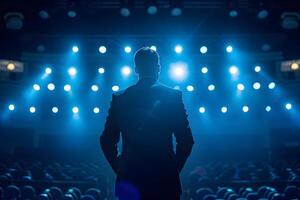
[147,63]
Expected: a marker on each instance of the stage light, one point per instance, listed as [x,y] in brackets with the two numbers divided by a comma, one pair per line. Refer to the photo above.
[211,87]
[102,49]
[125,12]
[190,88]
[176,11]
[240,87]
[32,109]
[262,14]
[48,70]
[54,109]
[126,71]
[233,70]
[178,71]
[115,88]
[75,109]
[229,49]
[245,108]
[176,87]
[203,49]
[178,49]
[96,110]
[153,48]
[36,87]
[256,85]
[224,109]
[67,87]
[295,66]
[51,86]
[72,14]
[202,110]
[75,49]
[72,71]
[288,106]
[257,68]
[271,85]
[233,13]
[101,70]
[127,49]
[94,88]
[11,107]
[11,67]
[204,70]
[268,108]
[152,10]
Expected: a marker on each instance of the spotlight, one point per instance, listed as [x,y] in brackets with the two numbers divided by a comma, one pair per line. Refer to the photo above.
[51,86]
[233,70]
[190,88]
[72,71]
[11,107]
[72,14]
[75,49]
[257,68]
[152,10]
[229,49]
[233,13]
[295,66]
[54,109]
[48,70]
[11,66]
[75,109]
[288,106]
[203,49]
[224,109]
[262,14]
[211,87]
[256,85]
[178,49]
[268,108]
[36,87]
[102,49]
[67,87]
[176,12]
[271,85]
[115,88]
[96,110]
[127,49]
[202,110]
[126,71]
[178,71]
[94,88]
[153,48]
[204,70]
[101,70]
[245,108]
[32,109]
[125,12]
[240,87]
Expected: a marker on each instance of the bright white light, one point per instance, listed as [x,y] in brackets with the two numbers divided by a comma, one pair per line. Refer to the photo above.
[256,85]
[127,49]
[32,109]
[233,70]
[190,88]
[257,68]
[72,71]
[211,87]
[36,87]
[94,88]
[240,87]
[48,70]
[268,108]
[271,85]
[115,88]
[288,106]
[204,70]
[224,109]
[54,109]
[67,87]
[203,49]
[178,49]
[178,71]
[245,108]
[126,71]
[51,86]
[11,107]
[75,109]
[102,49]
[153,48]
[101,70]
[96,110]
[229,49]
[202,110]
[75,49]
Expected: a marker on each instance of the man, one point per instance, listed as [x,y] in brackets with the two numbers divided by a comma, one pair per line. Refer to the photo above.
[146,116]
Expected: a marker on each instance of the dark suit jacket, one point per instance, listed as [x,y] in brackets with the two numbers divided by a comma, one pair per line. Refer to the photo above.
[147,115]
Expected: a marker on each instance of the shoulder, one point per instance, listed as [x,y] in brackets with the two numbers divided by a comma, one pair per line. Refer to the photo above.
[166,89]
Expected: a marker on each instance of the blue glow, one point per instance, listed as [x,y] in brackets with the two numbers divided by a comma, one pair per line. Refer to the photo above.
[176,87]
[288,106]
[115,88]
[178,71]
[240,87]
[256,85]
[126,70]
[94,88]
[233,70]
[178,49]
[190,88]
[55,109]
[32,109]
[72,71]
[101,70]
[268,108]
[257,68]
[271,85]
[96,110]
[51,86]
[203,49]
[204,70]
[67,87]
[48,70]
[36,87]
[102,49]
[11,107]
[224,109]
[245,109]
[229,49]
[127,49]
[75,49]
[202,110]
[211,87]
[75,109]
[153,48]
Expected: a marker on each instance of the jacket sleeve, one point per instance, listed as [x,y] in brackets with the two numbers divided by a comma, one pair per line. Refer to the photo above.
[182,132]
[111,136]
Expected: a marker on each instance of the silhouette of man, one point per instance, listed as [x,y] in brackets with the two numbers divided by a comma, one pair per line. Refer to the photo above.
[146,116]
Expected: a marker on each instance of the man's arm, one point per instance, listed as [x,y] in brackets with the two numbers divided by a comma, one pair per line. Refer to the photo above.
[182,132]
[111,136]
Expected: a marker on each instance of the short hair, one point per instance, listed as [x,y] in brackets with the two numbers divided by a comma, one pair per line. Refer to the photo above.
[146,61]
